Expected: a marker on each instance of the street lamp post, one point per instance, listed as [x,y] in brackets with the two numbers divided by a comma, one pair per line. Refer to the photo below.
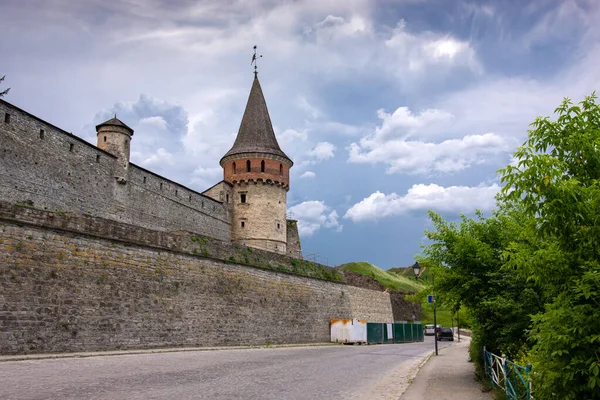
[417,270]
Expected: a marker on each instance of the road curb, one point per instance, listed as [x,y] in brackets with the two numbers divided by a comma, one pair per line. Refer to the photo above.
[28,357]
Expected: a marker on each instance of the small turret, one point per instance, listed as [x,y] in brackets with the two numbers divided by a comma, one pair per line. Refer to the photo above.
[114,137]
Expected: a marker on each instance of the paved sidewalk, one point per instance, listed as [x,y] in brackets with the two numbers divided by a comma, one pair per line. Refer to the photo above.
[448,376]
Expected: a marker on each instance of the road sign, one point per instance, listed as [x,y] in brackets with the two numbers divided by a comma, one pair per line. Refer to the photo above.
[431,299]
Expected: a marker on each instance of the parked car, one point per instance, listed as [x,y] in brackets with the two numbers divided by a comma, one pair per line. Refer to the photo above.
[446,333]
[429,331]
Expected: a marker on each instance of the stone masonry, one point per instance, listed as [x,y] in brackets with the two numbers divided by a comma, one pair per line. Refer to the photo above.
[43,165]
[97,253]
[65,291]
[293,247]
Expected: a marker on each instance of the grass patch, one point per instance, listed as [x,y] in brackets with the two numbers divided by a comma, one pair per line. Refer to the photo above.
[389,280]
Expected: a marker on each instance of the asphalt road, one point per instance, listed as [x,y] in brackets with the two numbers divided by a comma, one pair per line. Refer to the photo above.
[328,372]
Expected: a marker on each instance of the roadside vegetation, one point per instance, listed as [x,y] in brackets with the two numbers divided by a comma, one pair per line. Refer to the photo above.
[529,274]
[445,316]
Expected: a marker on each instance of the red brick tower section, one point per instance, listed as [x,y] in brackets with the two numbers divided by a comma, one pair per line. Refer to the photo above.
[260,174]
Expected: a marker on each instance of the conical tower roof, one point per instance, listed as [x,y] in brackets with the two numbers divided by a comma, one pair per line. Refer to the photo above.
[114,122]
[256,133]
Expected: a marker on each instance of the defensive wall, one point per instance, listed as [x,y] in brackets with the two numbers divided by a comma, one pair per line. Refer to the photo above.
[75,282]
[294,249]
[46,167]
[402,309]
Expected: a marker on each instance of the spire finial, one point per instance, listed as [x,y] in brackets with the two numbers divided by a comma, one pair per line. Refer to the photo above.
[254,59]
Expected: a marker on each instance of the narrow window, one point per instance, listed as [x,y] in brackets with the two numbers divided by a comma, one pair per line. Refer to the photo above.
[280,169]
[262,166]
[176,191]
[234,168]
[144,179]
[104,139]
[243,224]
[227,198]
[248,166]
[71,146]
[242,197]
[97,157]
[202,204]
[190,198]
[6,118]
[41,133]
[161,186]
[278,225]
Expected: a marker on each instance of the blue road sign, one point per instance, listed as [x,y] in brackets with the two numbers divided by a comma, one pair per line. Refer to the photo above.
[431,298]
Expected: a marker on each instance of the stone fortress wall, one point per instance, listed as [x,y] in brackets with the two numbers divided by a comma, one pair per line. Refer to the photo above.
[46,167]
[75,282]
[294,249]
[99,255]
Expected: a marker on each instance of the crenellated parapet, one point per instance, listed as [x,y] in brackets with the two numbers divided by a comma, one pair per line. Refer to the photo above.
[257,168]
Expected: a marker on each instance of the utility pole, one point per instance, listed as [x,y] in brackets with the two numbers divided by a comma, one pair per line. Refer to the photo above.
[458,323]
[417,270]
[435,328]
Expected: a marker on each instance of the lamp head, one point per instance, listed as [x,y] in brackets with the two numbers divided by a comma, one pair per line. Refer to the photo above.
[416,269]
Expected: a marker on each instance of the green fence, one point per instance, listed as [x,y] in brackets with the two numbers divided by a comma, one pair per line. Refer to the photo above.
[374,332]
[400,333]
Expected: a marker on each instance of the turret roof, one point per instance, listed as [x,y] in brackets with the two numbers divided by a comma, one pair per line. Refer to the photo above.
[114,122]
[256,133]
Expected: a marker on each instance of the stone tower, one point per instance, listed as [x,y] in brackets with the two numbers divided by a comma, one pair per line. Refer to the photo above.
[259,173]
[114,137]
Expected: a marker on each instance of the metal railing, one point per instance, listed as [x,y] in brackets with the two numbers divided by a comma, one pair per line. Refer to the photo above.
[513,378]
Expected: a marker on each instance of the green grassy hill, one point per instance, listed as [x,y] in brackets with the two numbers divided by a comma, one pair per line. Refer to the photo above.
[390,280]
[403,279]
[404,271]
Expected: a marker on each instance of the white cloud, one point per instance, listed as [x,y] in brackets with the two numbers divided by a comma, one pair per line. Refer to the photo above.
[304,105]
[322,151]
[416,53]
[336,127]
[206,177]
[418,157]
[403,142]
[308,175]
[420,197]
[403,123]
[160,157]
[446,48]
[314,215]
[337,28]
[291,137]
[157,122]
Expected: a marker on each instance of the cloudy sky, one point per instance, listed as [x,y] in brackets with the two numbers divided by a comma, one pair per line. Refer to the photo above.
[388,108]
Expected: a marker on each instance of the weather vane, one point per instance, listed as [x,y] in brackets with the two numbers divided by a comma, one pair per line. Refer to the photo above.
[254,58]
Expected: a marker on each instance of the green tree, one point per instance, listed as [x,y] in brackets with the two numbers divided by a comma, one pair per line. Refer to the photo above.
[4,92]
[557,184]
[531,273]
[469,270]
